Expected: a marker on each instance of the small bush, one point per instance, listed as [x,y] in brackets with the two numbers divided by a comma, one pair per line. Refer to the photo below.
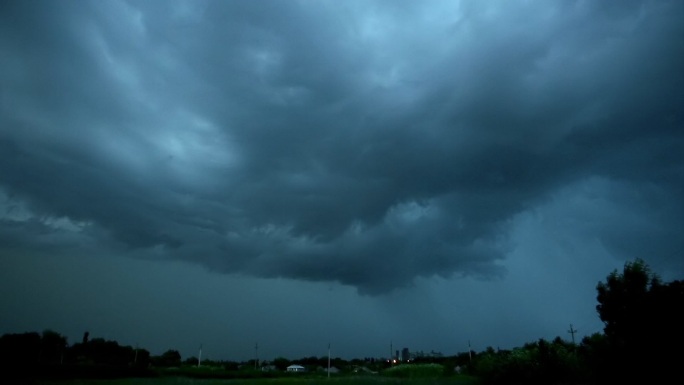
[415,371]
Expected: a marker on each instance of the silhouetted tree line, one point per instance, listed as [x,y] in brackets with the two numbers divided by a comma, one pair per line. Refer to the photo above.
[642,342]
[48,354]
[170,358]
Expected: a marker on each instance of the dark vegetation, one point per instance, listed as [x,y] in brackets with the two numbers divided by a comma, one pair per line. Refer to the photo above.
[642,342]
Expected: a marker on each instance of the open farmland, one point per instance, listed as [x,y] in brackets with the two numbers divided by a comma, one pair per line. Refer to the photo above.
[280,381]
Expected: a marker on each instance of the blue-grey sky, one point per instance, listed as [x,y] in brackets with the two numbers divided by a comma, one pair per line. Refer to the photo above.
[359,173]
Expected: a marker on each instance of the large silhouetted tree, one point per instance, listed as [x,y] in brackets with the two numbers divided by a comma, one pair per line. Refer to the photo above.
[19,350]
[643,322]
[168,358]
[622,300]
[52,347]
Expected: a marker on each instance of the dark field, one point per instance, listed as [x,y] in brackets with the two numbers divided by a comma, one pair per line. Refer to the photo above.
[280,381]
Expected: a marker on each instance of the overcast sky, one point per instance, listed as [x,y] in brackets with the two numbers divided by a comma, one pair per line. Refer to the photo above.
[367,174]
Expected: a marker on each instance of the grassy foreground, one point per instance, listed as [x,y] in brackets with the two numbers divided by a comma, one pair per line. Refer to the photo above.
[374,380]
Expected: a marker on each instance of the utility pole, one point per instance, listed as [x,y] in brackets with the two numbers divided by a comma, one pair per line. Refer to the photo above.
[61,357]
[572,333]
[470,352]
[328,359]
[256,355]
[391,357]
[199,359]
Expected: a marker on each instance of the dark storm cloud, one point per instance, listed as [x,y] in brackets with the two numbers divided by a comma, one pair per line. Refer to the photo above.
[364,143]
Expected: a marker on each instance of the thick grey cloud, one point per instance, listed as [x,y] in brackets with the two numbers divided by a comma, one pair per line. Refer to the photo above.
[363,143]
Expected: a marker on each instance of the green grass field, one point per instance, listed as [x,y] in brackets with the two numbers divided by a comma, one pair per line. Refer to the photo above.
[458,380]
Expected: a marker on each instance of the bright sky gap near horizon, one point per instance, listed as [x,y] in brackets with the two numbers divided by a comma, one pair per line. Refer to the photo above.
[360,173]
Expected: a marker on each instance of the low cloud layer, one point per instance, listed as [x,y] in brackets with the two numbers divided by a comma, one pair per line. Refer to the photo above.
[365,143]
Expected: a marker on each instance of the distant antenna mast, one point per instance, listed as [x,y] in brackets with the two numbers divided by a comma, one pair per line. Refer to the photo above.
[199,359]
[256,355]
[470,352]
[572,333]
[328,359]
